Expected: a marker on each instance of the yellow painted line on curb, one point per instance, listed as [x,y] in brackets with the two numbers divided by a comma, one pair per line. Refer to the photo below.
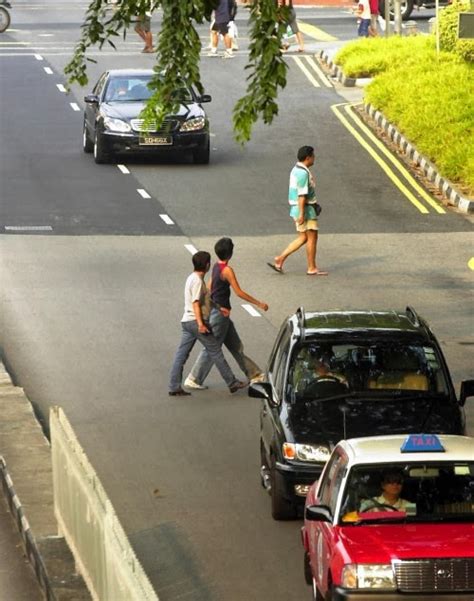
[300,64]
[377,158]
[314,65]
[406,174]
[315,32]
[471,263]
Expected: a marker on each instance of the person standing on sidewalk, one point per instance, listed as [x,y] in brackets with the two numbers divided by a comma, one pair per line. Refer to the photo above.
[223,278]
[195,326]
[223,14]
[292,25]
[303,210]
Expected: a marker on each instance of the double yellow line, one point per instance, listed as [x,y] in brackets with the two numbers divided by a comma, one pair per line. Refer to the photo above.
[389,164]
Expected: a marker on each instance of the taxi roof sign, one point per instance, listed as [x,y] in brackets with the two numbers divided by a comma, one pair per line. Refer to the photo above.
[422,443]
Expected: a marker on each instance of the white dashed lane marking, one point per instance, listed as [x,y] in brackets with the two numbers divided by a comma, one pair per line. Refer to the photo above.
[28,228]
[167,219]
[253,312]
[74,106]
[48,70]
[38,57]
[143,193]
[192,249]
[123,169]
[60,87]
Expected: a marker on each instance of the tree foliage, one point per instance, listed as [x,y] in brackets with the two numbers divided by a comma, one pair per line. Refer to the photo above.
[178,53]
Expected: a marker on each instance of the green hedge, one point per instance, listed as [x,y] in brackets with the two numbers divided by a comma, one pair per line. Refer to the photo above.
[429,99]
[448,30]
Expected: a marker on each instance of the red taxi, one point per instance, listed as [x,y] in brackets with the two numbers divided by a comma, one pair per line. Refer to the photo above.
[392,518]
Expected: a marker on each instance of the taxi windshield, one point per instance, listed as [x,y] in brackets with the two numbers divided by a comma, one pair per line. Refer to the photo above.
[325,370]
[414,492]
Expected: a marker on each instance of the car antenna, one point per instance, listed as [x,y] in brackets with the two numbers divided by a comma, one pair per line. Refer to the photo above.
[301,322]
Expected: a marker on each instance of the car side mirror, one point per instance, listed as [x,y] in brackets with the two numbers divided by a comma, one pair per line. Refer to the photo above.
[205,98]
[318,513]
[467,390]
[91,99]
[261,390]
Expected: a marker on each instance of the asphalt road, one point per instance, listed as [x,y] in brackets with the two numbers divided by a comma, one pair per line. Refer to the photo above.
[92,277]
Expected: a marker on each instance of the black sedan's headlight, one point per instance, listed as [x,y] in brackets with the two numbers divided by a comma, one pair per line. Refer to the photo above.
[193,124]
[116,125]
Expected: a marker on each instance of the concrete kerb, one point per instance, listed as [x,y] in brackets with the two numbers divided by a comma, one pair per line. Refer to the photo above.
[26,460]
[444,186]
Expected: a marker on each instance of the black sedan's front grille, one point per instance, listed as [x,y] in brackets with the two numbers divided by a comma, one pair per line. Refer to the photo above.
[435,575]
[168,126]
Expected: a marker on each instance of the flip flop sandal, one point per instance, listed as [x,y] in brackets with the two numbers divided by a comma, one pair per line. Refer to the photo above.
[275,268]
[317,273]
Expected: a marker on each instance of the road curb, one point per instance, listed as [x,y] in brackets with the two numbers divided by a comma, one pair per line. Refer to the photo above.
[443,185]
[26,479]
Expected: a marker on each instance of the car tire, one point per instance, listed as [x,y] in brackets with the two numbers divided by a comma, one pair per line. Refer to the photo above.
[282,509]
[100,155]
[308,574]
[4,19]
[407,9]
[87,143]
[201,155]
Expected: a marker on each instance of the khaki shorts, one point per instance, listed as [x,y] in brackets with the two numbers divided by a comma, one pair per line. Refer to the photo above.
[310,224]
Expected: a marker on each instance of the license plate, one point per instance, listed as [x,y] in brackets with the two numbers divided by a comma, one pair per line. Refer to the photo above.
[155,141]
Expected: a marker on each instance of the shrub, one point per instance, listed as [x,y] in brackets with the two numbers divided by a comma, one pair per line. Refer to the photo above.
[448,28]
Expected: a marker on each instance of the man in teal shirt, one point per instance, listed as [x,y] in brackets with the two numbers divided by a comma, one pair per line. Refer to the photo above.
[302,201]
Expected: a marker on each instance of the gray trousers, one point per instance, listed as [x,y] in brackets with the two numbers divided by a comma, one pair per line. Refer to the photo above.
[188,339]
[225,334]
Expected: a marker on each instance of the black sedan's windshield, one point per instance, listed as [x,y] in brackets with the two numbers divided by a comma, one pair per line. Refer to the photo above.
[415,492]
[135,89]
[321,370]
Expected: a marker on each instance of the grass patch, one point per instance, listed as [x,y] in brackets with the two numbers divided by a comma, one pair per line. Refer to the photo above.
[429,99]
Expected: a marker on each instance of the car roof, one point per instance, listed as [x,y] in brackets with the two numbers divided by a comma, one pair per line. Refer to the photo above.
[319,322]
[129,72]
[387,449]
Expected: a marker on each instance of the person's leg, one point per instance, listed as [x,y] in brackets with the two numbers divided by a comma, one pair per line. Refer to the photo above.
[233,342]
[299,37]
[290,249]
[188,340]
[214,40]
[217,356]
[149,40]
[312,251]
[203,364]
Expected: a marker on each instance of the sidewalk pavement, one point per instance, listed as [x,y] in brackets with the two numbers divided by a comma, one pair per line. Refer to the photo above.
[17,579]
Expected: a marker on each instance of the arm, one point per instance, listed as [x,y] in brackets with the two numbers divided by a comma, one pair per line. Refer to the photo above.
[202,329]
[301,206]
[229,275]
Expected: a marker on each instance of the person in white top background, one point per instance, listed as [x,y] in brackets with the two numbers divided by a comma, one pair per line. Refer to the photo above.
[363,14]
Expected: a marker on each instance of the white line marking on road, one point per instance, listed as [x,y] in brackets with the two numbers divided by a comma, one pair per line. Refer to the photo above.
[314,65]
[48,70]
[29,228]
[123,169]
[38,57]
[253,312]
[60,87]
[167,219]
[192,249]
[143,193]
[212,135]
[74,106]
[300,64]
[46,35]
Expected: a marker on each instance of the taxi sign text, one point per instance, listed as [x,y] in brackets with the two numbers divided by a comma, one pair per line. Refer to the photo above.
[422,443]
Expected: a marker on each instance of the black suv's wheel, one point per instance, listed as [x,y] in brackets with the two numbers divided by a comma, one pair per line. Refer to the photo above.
[4,19]
[100,155]
[201,155]
[407,9]
[282,509]
[87,143]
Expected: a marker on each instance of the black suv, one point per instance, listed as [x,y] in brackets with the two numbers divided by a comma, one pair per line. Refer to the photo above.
[345,374]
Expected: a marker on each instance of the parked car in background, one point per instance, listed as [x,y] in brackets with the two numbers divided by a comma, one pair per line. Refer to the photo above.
[113,125]
[343,374]
[407,6]
[360,546]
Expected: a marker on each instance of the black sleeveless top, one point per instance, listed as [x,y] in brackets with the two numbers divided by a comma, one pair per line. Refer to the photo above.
[220,289]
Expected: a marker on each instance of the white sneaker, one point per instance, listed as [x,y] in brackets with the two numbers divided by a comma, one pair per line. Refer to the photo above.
[228,54]
[189,383]
[212,52]
[259,378]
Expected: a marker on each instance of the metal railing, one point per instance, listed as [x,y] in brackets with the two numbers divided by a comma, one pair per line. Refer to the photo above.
[89,524]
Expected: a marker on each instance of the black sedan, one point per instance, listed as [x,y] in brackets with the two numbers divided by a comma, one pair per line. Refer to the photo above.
[112,123]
